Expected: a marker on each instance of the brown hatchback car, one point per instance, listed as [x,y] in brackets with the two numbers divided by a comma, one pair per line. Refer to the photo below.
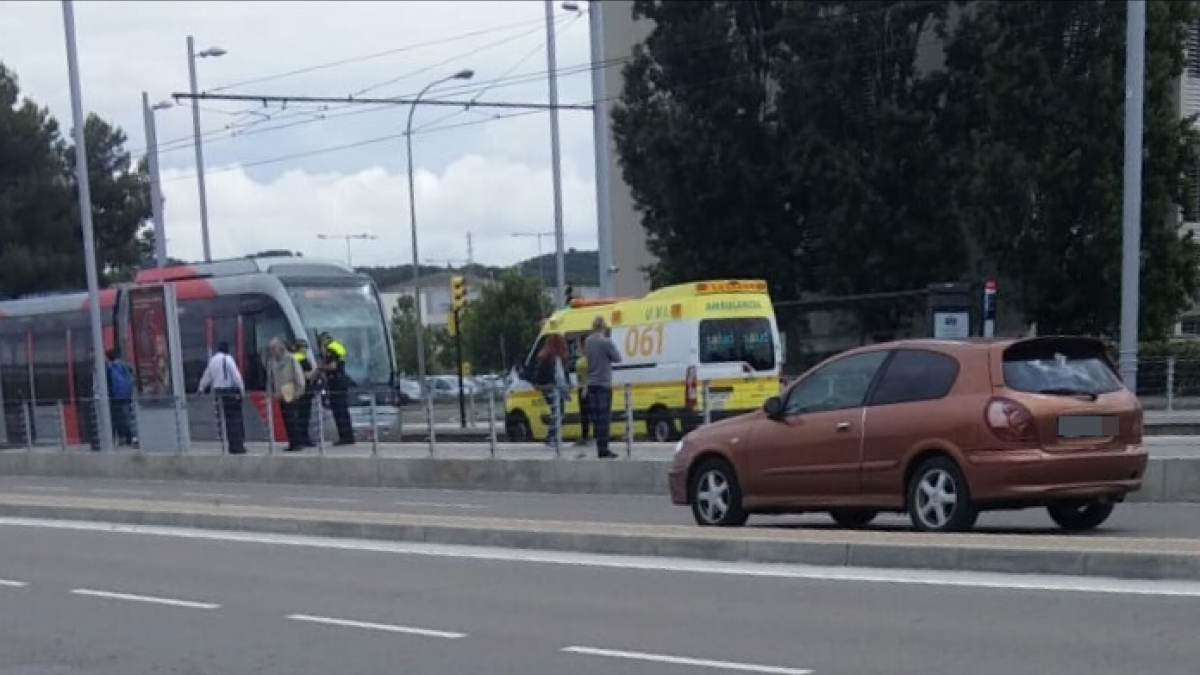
[941,429]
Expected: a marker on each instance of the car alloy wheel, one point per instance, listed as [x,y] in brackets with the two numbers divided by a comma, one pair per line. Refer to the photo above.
[716,496]
[938,499]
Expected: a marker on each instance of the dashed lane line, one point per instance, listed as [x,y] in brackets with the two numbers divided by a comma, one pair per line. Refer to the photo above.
[685,661]
[148,599]
[385,627]
[8,583]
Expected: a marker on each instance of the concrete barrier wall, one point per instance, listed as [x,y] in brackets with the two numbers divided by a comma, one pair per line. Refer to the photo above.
[1166,480]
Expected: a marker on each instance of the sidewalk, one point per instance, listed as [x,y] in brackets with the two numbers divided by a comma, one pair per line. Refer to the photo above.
[1148,559]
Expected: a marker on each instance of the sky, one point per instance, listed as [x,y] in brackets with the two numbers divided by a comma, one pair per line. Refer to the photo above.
[279,175]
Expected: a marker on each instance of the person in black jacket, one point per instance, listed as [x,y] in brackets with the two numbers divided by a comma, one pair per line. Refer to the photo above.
[304,404]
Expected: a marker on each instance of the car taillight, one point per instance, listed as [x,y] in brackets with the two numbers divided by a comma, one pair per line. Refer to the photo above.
[1137,427]
[1010,421]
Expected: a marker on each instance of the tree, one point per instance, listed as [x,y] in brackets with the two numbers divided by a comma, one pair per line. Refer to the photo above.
[39,244]
[40,232]
[120,201]
[503,322]
[1035,119]
[789,141]
[698,140]
[404,336]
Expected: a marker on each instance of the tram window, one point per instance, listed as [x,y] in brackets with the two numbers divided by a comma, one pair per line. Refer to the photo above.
[14,370]
[193,338]
[49,360]
[262,320]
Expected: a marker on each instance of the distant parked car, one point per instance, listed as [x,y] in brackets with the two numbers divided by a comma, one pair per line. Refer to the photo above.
[938,428]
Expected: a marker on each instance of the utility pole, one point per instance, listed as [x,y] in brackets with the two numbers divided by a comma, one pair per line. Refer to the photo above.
[1131,225]
[560,274]
[470,250]
[348,238]
[541,259]
[603,147]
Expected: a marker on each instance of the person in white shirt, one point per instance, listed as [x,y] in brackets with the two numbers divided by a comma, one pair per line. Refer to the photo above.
[223,378]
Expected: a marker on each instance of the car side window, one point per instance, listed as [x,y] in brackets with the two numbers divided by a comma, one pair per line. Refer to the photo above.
[835,386]
[916,375]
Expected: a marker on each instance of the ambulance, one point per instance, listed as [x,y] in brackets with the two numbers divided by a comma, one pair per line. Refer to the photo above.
[677,343]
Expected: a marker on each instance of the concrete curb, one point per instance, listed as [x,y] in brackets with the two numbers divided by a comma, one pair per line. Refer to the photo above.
[1177,560]
[1166,479]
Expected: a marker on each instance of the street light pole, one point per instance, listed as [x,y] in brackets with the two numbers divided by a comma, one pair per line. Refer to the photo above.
[192,56]
[1131,231]
[99,372]
[348,238]
[560,276]
[156,200]
[541,260]
[416,258]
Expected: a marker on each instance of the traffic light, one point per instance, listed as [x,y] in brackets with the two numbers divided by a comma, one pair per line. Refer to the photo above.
[570,295]
[458,292]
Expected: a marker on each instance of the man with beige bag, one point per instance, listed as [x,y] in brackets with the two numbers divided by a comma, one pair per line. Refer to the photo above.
[285,382]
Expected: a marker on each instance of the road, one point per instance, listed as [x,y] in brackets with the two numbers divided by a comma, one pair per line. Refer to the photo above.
[1141,520]
[83,600]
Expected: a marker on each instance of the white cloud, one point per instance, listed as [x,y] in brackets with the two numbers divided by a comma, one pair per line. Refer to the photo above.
[489,198]
[490,179]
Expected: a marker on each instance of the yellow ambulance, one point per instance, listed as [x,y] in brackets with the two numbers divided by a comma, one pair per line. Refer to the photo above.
[676,343]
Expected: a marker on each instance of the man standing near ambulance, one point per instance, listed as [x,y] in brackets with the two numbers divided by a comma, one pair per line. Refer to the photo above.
[601,354]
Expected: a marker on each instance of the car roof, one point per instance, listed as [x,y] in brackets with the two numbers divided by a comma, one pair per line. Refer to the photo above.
[936,344]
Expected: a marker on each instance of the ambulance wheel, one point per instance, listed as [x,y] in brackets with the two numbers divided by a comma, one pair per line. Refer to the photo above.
[660,427]
[516,427]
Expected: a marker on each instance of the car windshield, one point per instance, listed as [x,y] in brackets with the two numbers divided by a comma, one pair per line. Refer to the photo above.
[352,316]
[1059,367]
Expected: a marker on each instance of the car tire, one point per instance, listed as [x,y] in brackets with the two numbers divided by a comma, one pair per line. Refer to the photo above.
[1079,516]
[716,495]
[853,519]
[939,499]
[660,427]
[517,429]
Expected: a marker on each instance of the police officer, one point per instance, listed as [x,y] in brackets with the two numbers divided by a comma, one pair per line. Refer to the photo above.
[338,383]
[303,405]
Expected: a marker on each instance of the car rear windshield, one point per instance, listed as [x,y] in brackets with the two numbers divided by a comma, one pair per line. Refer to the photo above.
[1059,367]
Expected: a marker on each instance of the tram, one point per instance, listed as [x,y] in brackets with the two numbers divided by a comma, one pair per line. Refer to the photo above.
[45,342]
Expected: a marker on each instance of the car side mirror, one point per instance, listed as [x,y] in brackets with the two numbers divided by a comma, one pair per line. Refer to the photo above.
[773,407]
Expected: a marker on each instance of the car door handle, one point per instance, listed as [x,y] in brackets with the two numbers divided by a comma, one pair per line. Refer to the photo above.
[843,426]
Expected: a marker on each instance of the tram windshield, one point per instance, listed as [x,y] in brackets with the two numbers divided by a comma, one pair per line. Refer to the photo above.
[352,316]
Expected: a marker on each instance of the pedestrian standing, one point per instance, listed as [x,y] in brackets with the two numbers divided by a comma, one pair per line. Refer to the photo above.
[120,396]
[550,377]
[223,379]
[338,383]
[285,382]
[601,354]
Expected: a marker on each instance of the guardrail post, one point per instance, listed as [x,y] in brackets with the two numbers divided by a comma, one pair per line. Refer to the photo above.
[471,409]
[707,402]
[1170,383]
[628,420]
[320,427]
[27,420]
[430,422]
[492,422]
[374,428]
[177,404]
[222,436]
[271,423]
[62,426]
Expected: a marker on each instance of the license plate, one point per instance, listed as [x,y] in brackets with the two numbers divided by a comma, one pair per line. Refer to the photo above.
[1087,426]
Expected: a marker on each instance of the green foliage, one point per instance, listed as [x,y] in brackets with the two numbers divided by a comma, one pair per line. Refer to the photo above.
[503,322]
[801,143]
[40,232]
[404,337]
[1035,120]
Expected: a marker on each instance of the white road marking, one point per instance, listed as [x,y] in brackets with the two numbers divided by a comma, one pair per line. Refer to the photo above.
[212,495]
[684,661]
[947,579]
[442,504]
[115,491]
[12,584]
[144,598]
[386,627]
[322,500]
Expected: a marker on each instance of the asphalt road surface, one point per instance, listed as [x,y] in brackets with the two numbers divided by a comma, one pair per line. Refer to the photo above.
[82,600]
[1140,520]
